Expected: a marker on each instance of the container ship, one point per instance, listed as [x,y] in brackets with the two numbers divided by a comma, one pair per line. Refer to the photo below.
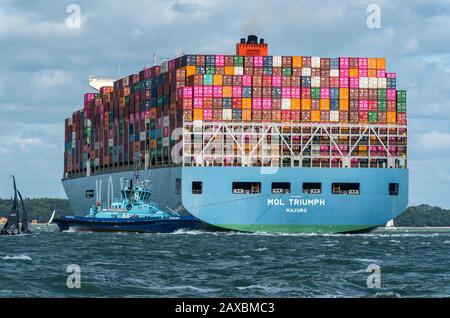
[248,142]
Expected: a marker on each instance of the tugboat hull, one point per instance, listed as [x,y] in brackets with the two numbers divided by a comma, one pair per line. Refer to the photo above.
[137,225]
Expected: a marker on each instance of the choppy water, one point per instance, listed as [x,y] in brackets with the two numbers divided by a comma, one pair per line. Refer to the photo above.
[196,264]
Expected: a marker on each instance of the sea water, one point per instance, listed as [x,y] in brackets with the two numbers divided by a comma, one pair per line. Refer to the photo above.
[389,263]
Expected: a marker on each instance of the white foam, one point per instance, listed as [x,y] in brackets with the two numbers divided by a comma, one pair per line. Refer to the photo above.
[21,257]
[261,249]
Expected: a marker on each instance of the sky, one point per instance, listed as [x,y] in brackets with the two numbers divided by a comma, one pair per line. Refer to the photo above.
[45,63]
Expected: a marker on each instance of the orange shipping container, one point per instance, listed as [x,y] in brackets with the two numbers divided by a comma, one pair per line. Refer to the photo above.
[324,104]
[343,104]
[391,117]
[246,115]
[353,72]
[296,61]
[306,104]
[372,73]
[372,63]
[381,63]
[229,70]
[217,81]
[227,91]
[295,103]
[343,93]
[190,70]
[315,116]
[246,103]
[198,114]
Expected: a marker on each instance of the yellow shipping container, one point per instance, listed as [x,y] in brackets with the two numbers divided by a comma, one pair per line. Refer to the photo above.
[372,73]
[247,115]
[363,148]
[246,103]
[353,72]
[191,70]
[392,117]
[343,93]
[295,104]
[297,61]
[306,104]
[218,80]
[315,116]
[324,104]
[198,114]
[227,91]
[381,63]
[343,104]
[372,63]
[229,70]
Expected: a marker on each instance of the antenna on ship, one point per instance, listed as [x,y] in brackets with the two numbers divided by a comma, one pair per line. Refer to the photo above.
[155,59]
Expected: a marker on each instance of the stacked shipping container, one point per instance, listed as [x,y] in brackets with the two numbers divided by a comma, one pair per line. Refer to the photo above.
[138,114]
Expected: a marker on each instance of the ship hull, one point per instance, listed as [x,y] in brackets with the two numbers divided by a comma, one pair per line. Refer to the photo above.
[295,212]
[129,225]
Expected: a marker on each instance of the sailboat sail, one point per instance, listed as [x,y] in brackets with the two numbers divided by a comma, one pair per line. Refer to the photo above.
[52,217]
[12,224]
[25,219]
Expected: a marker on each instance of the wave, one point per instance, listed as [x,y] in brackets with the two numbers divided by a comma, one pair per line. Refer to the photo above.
[21,257]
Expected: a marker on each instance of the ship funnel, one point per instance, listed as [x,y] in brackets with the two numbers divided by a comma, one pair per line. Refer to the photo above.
[251,47]
[252,39]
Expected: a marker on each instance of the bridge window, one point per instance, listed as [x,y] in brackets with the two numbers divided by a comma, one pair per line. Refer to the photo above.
[246,187]
[281,187]
[393,188]
[177,186]
[89,193]
[312,187]
[345,188]
[197,187]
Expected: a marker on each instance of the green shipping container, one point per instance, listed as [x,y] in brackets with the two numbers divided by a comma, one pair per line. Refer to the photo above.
[401,96]
[210,70]
[401,106]
[373,117]
[238,61]
[315,93]
[381,93]
[382,105]
[287,71]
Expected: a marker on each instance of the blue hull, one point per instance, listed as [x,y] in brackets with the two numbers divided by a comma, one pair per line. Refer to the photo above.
[142,225]
[267,212]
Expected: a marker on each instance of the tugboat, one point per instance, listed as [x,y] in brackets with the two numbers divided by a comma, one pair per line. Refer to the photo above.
[135,212]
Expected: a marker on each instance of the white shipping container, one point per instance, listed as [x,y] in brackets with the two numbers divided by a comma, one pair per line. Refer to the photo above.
[238,70]
[315,61]
[334,73]
[97,161]
[382,83]
[142,136]
[110,142]
[286,103]
[334,115]
[74,136]
[373,82]
[277,61]
[164,67]
[227,114]
[315,81]
[363,82]
[306,71]
[166,121]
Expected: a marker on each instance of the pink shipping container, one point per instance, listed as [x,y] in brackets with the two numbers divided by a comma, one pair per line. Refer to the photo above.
[343,82]
[276,81]
[354,82]
[373,105]
[267,103]
[391,94]
[324,93]
[207,91]
[220,60]
[258,61]
[363,105]
[207,114]
[343,62]
[237,91]
[217,91]
[257,103]
[381,73]
[246,80]
[391,75]
[363,116]
[363,63]
[198,91]
[295,92]
[198,102]
[343,72]
[401,118]
[286,92]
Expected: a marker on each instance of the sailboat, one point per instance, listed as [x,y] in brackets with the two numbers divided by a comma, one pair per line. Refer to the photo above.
[390,225]
[51,218]
[12,225]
